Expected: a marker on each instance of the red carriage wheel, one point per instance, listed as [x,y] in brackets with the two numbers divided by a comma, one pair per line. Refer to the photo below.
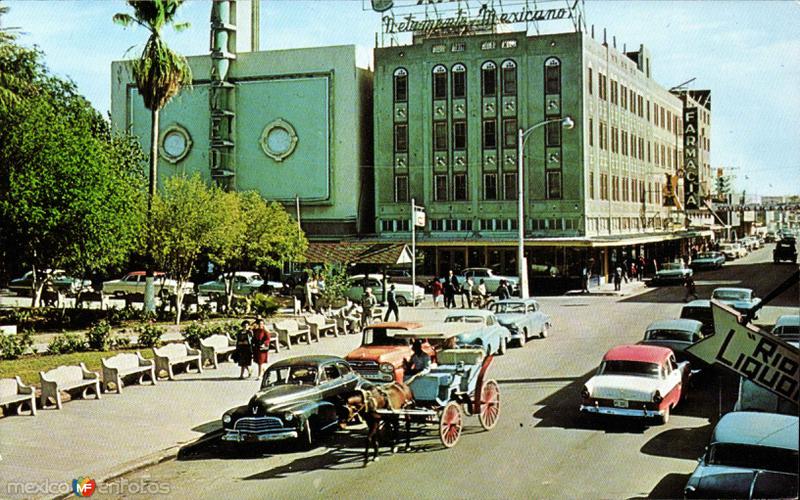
[450,424]
[489,405]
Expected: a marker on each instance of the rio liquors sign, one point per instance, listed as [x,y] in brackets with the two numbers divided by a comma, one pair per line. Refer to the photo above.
[691,176]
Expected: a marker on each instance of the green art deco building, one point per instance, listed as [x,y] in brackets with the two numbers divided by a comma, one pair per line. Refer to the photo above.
[447,113]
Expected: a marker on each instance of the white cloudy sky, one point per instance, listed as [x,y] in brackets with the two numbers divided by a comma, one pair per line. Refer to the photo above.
[747,52]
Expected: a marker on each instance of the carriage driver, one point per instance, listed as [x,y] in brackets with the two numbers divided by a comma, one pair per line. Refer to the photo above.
[419,362]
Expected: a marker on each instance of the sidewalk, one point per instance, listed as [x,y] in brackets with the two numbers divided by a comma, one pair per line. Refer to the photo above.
[632,287]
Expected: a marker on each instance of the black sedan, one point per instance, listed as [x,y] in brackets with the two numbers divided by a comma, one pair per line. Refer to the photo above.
[299,397]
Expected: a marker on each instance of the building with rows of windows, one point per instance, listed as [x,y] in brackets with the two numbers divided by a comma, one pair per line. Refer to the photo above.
[447,112]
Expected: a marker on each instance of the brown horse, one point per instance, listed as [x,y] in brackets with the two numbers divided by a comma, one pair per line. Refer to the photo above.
[367,401]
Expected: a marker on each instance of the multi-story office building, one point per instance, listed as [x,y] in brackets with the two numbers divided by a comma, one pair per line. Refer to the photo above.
[447,115]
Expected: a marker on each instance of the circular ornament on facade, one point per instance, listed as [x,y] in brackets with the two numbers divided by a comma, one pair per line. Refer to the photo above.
[279,139]
[175,143]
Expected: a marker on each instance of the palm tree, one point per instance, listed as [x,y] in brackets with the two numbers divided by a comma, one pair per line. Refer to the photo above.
[159,74]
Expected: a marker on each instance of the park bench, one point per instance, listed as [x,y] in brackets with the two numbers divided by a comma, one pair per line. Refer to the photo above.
[67,379]
[14,393]
[289,328]
[319,324]
[172,355]
[216,346]
[123,365]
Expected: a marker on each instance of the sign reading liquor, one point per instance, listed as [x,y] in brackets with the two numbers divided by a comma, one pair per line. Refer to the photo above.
[691,179]
[429,17]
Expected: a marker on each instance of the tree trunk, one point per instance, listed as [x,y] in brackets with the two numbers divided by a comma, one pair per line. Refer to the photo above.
[149,288]
[229,290]
[178,302]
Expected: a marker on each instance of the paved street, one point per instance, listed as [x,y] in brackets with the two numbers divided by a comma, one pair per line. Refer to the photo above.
[540,447]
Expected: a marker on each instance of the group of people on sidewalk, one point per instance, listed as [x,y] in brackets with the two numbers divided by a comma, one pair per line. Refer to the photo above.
[446,289]
[252,345]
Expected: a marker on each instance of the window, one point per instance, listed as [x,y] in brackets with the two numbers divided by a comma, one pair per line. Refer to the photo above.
[614,92]
[400,138]
[591,185]
[624,143]
[440,82]
[603,186]
[633,102]
[460,187]
[641,107]
[489,79]
[459,135]
[440,136]
[459,81]
[489,186]
[552,76]
[489,134]
[623,94]
[603,136]
[510,133]
[440,187]
[601,81]
[614,139]
[509,75]
[553,185]
[553,133]
[400,85]
[591,132]
[590,83]
[401,188]
[510,185]
[648,110]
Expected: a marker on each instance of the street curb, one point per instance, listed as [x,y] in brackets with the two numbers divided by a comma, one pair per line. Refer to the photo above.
[156,458]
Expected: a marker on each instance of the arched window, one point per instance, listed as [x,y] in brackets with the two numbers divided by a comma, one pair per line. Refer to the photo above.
[489,79]
[459,81]
[552,76]
[439,82]
[509,75]
[400,85]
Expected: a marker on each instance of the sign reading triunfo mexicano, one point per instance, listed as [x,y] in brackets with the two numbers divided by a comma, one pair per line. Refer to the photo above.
[460,21]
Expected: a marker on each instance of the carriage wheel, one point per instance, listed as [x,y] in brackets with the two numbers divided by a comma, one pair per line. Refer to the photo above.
[490,405]
[450,424]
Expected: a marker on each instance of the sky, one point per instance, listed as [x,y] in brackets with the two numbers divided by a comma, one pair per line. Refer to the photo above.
[747,52]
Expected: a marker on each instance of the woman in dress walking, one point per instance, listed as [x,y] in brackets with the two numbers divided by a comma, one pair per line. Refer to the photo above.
[261,339]
[244,349]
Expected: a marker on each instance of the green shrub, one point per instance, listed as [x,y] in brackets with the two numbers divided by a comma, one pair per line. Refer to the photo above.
[14,346]
[99,336]
[149,335]
[265,305]
[119,342]
[67,343]
[196,332]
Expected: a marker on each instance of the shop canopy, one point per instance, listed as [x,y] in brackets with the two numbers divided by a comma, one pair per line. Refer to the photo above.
[381,254]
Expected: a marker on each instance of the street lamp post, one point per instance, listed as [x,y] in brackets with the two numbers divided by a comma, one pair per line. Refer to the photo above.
[522,136]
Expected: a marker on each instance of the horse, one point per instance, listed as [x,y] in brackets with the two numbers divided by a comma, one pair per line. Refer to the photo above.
[366,402]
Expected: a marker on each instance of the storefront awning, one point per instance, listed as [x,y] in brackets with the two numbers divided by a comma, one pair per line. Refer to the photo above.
[385,254]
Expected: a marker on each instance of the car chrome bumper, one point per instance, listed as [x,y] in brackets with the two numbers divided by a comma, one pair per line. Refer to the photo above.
[622,412]
[245,437]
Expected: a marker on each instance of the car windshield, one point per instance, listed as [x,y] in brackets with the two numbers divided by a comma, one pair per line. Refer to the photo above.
[730,295]
[381,336]
[753,457]
[516,307]
[679,335]
[672,266]
[464,319]
[707,256]
[624,367]
[298,374]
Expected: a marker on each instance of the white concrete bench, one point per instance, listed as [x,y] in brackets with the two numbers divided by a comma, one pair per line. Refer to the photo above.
[14,393]
[216,346]
[123,365]
[319,324]
[176,355]
[67,379]
[289,328]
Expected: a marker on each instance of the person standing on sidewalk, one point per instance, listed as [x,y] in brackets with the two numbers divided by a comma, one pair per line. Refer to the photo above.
[585,274]
[691,290]
[244,349]
[617,278]
[502,291]
[482,294]
[261,339]
[438,292]
[367,303]
[391,298]
[466,293]
[640,267]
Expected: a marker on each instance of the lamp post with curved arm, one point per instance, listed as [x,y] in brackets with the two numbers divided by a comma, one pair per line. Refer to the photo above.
[522,136]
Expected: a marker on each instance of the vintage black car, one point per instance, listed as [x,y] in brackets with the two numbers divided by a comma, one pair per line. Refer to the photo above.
[299,397]
[785,249]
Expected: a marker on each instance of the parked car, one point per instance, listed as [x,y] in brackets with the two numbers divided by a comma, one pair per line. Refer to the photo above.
[730,251]
[708,260]
[380,356]
[406,294]
[299,397]
[57,280]
[700,310]
[636,381]
[785,249]
[134,283]
[487,331]
[490,280]
[244,283]
[522,318]
[750,455]
[741,299]
[671,272]
[787,327]
[403,276]
[675,334]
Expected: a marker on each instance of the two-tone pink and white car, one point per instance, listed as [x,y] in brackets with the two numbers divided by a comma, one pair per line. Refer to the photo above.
[636,381]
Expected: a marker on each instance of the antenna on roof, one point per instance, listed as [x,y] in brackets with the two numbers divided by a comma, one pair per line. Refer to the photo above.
[682,85]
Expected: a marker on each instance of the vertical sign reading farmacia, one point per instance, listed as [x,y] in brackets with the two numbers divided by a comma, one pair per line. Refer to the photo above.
[691,178]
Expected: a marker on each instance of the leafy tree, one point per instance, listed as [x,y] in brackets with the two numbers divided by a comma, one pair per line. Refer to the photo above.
[159,74]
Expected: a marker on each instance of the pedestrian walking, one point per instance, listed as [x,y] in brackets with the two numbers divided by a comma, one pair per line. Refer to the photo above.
[625,266]
[310,287]
[585,275]
[691,290]
[466,292]
[450,283]
[391,298]
[641,266]
[634,270]
[438,293]
[244,349]
[482,294]
[617,278]
[502,291]
[368,301]
[261,339]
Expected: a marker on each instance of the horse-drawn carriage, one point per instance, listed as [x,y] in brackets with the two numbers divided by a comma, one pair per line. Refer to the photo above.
[454,387]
